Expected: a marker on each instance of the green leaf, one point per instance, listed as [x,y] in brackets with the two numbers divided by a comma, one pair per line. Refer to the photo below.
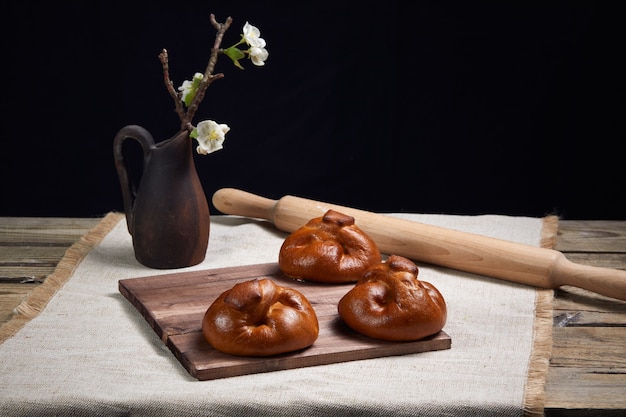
[235,54]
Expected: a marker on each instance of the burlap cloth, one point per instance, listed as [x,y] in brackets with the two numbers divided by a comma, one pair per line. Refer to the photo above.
[77,346]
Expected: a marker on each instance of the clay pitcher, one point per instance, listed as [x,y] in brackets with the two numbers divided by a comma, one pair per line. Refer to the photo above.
[166,209]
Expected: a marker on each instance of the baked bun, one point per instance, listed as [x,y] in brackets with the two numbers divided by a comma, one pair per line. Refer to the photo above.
[390,303]
[329,249]
[260,318]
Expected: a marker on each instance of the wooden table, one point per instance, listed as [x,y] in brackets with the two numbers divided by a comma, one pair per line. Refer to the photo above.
[587,375]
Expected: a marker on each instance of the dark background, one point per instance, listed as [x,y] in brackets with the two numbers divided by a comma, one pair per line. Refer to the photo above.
[432,107]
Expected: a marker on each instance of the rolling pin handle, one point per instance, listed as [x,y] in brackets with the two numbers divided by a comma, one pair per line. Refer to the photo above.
[605,281]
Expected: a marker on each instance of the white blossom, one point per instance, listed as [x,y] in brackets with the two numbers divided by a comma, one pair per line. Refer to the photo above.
[210,136]
[189,88]
[258,56]
[252,36]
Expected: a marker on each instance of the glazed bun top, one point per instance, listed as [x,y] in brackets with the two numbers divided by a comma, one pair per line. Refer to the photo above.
[260,318]
[328,249]
[390,303]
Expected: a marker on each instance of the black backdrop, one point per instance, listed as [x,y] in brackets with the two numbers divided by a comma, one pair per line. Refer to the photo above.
[434,107]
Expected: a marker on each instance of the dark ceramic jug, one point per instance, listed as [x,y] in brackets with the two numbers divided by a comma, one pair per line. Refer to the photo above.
[166,209]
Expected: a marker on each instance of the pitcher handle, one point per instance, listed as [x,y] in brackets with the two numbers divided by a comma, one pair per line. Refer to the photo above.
[130,184]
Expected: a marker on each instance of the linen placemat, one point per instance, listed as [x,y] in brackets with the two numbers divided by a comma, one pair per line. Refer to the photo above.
[77,346]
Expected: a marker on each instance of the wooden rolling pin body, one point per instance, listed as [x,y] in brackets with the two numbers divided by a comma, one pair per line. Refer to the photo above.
[497,258]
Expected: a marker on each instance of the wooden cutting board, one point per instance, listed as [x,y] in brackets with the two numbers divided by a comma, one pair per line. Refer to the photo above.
[174,306]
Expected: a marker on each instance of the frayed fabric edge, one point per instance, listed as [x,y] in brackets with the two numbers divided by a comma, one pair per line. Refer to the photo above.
[534,391]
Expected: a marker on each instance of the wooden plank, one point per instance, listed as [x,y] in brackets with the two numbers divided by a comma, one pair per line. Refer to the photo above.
[11,295]
[576,318]
[174,306]
[33,271]
[48,223]
[577,299]
[586,389]
[31,255]
[41,231]
[30,250]
[606,260]
[587,373]
[591,236]
[584,347]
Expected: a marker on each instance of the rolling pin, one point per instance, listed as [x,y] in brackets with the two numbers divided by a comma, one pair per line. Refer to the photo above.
[469,252]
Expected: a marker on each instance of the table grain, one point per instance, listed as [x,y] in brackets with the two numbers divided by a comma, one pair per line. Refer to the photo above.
[587,373]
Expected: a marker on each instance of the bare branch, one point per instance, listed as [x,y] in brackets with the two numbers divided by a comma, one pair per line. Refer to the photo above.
[163,56]
[195,103]
[187,116]
[208,73]
[221,30]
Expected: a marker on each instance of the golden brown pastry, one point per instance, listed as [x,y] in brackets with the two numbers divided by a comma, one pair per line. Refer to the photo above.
[260,318]
[330,249]
[390,303]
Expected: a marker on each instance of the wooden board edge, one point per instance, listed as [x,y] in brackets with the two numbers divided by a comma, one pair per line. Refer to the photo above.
[296,360]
